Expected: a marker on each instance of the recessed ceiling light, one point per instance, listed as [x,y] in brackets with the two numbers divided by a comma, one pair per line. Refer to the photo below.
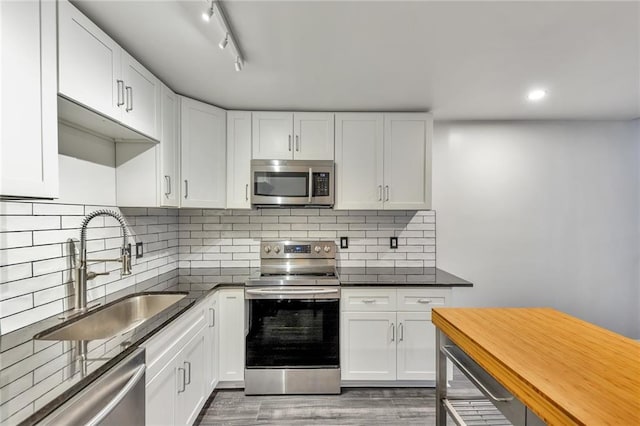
[536,95]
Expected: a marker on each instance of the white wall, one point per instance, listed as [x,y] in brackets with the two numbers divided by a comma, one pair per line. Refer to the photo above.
[542,214]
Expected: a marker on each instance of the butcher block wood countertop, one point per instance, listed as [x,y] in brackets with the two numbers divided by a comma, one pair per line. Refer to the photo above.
[565,370]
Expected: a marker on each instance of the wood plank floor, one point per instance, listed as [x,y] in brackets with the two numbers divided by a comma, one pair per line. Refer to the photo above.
[355,406]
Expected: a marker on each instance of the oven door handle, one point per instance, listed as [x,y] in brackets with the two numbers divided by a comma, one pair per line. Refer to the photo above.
[278,292]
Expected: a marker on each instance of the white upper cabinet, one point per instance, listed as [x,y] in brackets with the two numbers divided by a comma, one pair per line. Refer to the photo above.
[272,135]
[97,73]
[238,159]
[142,92]
[359,161]
[148,174]
[203,154]
[89,63]
[313,136]
[407,161]
[287,135]
[383,161]
[29,114]
[170,149]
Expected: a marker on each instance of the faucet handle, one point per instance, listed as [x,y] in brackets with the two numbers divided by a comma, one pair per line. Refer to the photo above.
[92,275]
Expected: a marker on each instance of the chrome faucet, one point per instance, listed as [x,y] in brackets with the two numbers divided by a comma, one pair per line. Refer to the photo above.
[82,274]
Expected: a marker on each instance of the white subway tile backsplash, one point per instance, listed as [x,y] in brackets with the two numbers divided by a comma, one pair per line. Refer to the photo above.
[16,239]
[35,270]
[28,223]
[368,230]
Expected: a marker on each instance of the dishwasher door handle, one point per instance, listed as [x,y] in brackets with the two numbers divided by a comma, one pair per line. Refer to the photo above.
[131,383]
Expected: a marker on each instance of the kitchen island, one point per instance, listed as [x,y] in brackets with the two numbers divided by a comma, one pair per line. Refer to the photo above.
[560,369]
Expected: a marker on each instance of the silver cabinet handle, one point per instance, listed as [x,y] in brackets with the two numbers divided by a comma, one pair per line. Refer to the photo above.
[120,92]
[188,364]
[289,142]
[186,188]
[393,332]
[184,380]
[425,301]
[297,143]
[246,192]
[137,376]
[310,184]
[213,317]
[167,179]
[401,331]
[379,192]
[129,90]
[386,188]
[368,300]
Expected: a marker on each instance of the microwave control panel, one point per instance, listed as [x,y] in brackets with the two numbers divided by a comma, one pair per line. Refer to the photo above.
[321,185]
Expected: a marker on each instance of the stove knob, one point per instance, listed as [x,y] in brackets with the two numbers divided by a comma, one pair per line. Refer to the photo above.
[267,249]
[317,249]
[327,249]
[276,249]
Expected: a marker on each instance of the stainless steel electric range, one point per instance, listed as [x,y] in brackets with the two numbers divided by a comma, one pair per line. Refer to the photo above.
[293,320]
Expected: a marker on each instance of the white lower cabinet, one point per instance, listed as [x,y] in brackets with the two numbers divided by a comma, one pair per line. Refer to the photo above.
[180,364]
[387,333]
[232,334]
[211,342]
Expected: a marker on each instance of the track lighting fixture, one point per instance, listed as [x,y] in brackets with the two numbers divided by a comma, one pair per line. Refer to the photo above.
[207,14]
[224,41]
[229,42]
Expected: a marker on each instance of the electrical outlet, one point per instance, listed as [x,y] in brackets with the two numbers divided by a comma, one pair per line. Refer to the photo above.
[139,250]
[393,242]
[344,242]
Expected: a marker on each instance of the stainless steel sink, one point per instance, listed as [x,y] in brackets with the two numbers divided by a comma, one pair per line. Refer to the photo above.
[111,320]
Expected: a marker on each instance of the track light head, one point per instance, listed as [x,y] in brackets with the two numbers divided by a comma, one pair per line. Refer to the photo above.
[207,14]
[238,64]
[224,41]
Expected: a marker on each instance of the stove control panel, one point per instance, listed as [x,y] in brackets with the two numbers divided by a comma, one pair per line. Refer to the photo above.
[297,249]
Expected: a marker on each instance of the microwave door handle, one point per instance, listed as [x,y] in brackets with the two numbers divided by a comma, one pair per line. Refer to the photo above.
[310,184]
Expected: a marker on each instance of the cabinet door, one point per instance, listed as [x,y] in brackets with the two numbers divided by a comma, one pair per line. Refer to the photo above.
[359,161]
[272,135]
[161,395]
[142,98]
[203,165]
[416,346]
[170,149]
[313,136]
[407,161]
[238,159]
[231,307]
[367,346]
[193,362]
[29,113]
[211,353]
[88,63]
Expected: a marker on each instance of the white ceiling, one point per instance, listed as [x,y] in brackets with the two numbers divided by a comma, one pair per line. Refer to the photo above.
[461,60]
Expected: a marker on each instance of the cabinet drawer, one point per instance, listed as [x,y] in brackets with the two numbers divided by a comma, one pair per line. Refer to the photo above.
[421,300]
[368,299]
[162,347]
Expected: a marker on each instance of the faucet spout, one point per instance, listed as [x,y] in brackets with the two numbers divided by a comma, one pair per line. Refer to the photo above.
[82,275]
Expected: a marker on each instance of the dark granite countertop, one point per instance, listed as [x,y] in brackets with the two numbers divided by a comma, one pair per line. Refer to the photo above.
[37,376]
[399,277]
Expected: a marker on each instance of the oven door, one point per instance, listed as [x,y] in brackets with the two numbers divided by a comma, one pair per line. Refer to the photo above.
[293,328]
[283,182]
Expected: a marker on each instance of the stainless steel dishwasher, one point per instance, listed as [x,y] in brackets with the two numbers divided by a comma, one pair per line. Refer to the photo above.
[115,398]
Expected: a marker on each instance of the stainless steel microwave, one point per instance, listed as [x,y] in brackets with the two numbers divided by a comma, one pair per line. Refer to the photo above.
[302,183]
